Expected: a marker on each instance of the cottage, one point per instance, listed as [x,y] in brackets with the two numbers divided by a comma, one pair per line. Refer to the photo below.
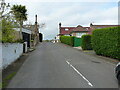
[74,31]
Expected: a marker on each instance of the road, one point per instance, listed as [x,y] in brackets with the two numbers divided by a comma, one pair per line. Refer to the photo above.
[55,65]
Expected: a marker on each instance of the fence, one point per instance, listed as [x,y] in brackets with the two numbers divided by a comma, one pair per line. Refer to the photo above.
[77,42]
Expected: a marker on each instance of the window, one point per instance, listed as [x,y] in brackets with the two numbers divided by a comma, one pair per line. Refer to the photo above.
[80,34]
[66,29]
[66,35]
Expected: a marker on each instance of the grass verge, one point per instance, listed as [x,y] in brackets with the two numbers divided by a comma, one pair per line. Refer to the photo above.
[7,79]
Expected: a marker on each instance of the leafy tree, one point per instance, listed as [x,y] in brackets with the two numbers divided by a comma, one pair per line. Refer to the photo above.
[7,31]
[20,14]
[4,9]
[6,25]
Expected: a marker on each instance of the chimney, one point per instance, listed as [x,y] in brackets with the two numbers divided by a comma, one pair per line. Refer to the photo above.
[59,28]
[35,19]
[60,25]
[91,24]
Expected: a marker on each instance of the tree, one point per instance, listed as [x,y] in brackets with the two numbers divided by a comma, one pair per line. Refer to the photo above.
[7,31]
[6,25]
[20,14]
[4,9]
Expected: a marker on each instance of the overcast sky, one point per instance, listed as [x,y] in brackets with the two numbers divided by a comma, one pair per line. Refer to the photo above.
[69,13]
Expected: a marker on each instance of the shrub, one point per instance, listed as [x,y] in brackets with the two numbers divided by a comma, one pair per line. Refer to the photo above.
[7,30]
[69,40]
[86,42]
[107,42]
[19,41]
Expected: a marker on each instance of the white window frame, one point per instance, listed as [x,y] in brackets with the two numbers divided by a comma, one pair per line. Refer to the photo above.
[66,29]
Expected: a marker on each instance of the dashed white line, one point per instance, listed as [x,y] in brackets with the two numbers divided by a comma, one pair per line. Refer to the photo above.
[80,74]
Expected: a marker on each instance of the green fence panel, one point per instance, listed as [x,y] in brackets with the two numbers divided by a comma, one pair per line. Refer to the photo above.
[77,42]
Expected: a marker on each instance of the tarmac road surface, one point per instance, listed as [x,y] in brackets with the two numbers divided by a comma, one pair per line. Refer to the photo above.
[55,65]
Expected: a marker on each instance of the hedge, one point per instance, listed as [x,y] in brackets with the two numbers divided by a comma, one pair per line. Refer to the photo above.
[69,40]
[86,42]
[106,42]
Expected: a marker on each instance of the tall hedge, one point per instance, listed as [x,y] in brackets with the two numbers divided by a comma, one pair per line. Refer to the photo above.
[107,42]
[86,42]
[69,40]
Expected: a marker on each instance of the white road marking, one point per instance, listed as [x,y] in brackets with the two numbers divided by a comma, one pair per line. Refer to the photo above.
[80,74]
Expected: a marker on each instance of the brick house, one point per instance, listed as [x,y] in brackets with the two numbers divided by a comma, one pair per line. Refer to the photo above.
[74,31]
[80,30]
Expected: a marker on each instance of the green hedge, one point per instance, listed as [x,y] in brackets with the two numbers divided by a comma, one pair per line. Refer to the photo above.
[106,42]
[69,40]
[6,32]
[86,42]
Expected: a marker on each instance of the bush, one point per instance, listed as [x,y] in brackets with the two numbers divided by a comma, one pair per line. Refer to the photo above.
[19,41]
[7,31]
[86,42]
[107,42]
[69,40]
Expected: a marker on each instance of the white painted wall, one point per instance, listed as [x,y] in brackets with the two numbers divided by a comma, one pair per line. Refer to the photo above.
[10,53]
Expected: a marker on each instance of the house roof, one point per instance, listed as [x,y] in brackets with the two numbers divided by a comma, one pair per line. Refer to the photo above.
[81,29]
[23,30]
[103,26]
[30,27]
[66,32]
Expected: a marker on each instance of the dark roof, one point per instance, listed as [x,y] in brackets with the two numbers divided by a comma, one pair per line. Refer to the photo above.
[30,27]
[103,26]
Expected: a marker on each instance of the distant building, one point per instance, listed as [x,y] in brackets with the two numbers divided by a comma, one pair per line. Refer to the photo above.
[65,30]
[93,27]
[35,32]
[74,31]
[26,35]
[80,30]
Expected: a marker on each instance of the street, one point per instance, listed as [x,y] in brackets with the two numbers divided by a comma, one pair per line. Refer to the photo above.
[55,65]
